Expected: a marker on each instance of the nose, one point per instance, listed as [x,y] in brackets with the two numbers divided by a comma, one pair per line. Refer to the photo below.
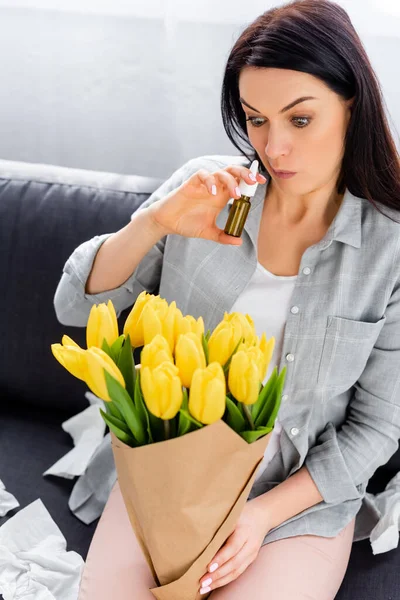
[277,145]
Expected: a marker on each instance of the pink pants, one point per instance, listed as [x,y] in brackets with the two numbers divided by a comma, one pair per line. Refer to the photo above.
[305,567]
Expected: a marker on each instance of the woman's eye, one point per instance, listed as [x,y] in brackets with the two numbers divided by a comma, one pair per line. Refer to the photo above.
[301,122]
[255,121]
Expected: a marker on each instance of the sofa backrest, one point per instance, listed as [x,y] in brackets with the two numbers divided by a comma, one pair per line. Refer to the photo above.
[45,213]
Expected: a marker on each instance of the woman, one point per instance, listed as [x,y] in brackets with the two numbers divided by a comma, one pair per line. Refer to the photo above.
[317,266]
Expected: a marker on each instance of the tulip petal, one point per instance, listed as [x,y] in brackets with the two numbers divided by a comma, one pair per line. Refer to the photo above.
[72,358]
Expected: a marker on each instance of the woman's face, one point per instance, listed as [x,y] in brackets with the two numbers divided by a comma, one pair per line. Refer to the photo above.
[307,139]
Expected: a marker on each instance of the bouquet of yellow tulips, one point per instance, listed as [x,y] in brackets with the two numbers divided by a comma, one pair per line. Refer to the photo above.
[189,426]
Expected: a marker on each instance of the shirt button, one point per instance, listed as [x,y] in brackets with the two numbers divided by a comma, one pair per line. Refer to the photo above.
[306,270]
[285,397]
[294,310]
[294,431]
[290,357]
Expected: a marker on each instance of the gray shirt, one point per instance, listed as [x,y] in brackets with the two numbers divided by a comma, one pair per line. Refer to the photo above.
[340,410]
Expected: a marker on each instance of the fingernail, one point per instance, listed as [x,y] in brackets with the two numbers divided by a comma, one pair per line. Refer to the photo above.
[213,568]
[252,177]
[206,582]
[214,190]
[205,590]
[238,192]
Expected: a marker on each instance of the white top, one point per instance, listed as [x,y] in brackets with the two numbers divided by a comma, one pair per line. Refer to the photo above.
[266,299]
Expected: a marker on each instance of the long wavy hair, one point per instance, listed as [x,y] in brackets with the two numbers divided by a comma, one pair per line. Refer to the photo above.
[317,37]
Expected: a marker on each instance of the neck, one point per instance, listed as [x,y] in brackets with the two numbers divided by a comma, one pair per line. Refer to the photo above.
[319,205]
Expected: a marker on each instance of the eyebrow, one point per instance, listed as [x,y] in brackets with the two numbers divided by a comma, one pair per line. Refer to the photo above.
[286,108]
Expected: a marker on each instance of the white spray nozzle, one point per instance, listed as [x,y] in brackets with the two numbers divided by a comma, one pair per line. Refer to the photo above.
[245,188]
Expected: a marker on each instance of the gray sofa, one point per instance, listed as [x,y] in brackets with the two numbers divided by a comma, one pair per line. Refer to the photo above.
[45,213]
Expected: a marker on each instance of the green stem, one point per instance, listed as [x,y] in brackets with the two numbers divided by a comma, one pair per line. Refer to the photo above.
[247,412]
[166,429]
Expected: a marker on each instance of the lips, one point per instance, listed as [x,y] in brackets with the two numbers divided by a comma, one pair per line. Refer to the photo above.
[279,172]
[283,174]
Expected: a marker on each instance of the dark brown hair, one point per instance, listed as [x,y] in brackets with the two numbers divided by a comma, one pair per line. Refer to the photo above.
[317,37]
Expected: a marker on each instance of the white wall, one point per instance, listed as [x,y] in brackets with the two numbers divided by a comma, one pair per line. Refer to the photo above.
[134,87]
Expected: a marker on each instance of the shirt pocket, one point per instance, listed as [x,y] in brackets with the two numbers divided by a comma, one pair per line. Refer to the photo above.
[345,351]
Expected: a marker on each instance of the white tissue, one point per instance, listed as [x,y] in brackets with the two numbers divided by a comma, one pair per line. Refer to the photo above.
[385,534]
[87,430]
[7,500]
[34,563]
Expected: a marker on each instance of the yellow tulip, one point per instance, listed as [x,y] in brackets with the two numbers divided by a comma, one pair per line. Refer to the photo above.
[189,356]
[102,324]
[188,324]
[67,341]
[159,318]
[97,360]
[244,377]
[256,355]
[224,340]
[162,390]
[156,352]
[207,394]
[262,351]
[71,357]
[247,324]
[168,325]
[267,348]
[134,322]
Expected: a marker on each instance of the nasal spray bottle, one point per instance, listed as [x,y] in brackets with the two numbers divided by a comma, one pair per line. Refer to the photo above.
[241,206]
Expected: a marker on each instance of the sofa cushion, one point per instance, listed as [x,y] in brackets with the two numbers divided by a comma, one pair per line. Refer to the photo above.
[45,213]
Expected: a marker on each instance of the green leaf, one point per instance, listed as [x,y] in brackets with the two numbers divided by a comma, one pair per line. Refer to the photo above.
[142,409]
[121,435]
[113,410]
[118,423]
[278,395]
[241,409]
[252,436]
[234,419]
[228,362]
[207,336]
[126,405]
[126,365]
[185,424]
[106,348]
[192,419]
[205,348]
[264,394]
[271,402]
[116,347]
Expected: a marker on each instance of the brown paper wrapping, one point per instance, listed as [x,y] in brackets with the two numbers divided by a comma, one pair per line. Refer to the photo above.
[184,497]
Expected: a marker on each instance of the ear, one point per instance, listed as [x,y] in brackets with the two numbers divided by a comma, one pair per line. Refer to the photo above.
[350,103]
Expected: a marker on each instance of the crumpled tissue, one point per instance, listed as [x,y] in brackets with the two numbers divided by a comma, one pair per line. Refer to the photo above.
[7,501]
[87,430]
[34,563]
[92,489]
[385,534]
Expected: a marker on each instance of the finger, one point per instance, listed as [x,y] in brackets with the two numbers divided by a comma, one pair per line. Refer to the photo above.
[245,173]
[229,181]
[229,571]
[209,180]
[224,238]
[232,546]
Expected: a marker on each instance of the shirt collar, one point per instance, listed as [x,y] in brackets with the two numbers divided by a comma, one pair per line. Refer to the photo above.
[345,227]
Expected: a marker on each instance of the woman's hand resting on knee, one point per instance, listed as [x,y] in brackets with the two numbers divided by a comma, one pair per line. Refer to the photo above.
[240,549]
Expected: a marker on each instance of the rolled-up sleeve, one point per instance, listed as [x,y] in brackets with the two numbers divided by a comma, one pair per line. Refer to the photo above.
[72,304]
[342,462]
